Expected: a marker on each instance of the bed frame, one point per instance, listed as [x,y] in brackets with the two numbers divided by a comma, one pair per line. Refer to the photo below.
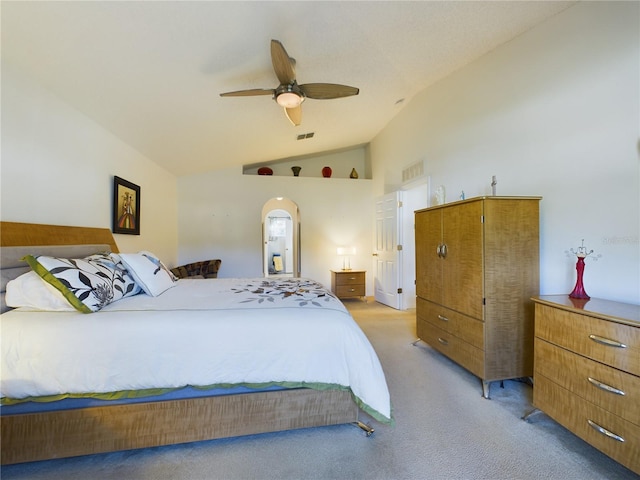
[68,433]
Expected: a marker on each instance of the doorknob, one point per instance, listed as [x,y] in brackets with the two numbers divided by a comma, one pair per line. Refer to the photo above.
[374,254]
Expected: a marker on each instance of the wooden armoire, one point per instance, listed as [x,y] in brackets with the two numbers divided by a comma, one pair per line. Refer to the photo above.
[477,267]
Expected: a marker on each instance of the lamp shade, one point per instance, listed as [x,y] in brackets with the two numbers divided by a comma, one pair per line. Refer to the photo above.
[346,250]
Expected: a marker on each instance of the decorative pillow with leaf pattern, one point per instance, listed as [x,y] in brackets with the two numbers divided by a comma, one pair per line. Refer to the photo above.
[89,283]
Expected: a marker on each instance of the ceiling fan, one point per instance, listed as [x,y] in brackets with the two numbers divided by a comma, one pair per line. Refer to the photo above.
[289,94]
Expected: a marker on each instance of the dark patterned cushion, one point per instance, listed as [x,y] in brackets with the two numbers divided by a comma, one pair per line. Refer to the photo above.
[205,269]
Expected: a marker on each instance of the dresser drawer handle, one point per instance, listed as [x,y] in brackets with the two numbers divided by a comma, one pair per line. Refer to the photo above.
[443,341]
[604,431]
[606,341]
[605,387]
[443,318]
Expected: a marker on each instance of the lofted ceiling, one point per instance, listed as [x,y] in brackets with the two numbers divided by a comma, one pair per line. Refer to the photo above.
[151,72]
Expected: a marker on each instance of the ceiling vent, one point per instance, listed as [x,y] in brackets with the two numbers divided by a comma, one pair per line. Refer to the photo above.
[304,136]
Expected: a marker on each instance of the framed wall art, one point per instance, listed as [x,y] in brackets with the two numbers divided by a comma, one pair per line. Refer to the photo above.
[126,207]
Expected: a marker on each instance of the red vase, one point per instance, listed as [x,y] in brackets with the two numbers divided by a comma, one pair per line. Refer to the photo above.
[578,290]
[326,172]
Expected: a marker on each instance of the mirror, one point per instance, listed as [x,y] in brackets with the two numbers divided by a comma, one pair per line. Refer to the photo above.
[280,238]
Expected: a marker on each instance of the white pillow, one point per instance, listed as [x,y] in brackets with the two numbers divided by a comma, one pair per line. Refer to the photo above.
[154,258]
[148,272]
[31,291]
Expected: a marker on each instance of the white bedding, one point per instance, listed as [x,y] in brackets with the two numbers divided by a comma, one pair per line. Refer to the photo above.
[202,332]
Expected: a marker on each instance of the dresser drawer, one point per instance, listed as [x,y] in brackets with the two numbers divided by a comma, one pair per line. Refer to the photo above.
[589,379]
[461,352]
[612,343]
[574,413]
[466,328]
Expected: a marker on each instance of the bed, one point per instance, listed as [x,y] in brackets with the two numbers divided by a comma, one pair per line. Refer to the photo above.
[173,376]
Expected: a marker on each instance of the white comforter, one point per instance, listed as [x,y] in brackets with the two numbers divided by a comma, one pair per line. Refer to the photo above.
[200,333]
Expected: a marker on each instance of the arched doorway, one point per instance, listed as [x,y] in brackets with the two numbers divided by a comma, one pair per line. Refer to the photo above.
[280,238]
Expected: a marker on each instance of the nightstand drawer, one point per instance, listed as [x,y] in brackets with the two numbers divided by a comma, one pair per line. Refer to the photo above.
[350,278]
[350,291]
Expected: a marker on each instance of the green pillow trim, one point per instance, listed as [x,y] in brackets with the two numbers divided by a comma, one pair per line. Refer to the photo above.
[57,284]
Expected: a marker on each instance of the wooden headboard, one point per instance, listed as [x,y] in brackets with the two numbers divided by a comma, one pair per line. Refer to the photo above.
[30,234]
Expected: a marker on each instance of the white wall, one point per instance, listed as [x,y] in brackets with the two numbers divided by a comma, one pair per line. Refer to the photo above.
[58,167]
[554,113]
[220,217]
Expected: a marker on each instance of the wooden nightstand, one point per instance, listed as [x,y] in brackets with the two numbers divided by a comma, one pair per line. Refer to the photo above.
[348,283]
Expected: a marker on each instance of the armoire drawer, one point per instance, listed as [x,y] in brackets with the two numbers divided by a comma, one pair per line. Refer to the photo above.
[466,328]
[461,352]
[610,388]
[593,424]
[612,343]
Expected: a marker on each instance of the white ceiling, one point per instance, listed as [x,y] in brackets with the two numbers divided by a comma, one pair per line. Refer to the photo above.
[151,72]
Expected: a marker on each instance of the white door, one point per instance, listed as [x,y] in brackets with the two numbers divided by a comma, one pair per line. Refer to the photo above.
[388,251]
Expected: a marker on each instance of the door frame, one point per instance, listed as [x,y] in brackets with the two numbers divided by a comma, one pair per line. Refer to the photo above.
[281,203]
[415,196]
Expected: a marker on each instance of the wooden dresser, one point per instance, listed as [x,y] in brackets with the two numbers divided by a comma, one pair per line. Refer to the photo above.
[587,371]
[348,283]
[477,267]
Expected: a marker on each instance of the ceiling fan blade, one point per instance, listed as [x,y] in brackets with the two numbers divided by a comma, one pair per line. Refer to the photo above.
[294,115]
[282,64]
[249,93]
[327,91]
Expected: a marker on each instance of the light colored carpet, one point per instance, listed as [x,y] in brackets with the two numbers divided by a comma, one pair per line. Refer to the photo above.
[444,429]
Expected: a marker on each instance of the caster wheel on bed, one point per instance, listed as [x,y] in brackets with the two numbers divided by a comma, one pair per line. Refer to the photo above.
[364,427]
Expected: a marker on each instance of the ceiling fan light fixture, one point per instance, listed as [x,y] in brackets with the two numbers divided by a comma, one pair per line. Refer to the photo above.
[289,99]
[289,94]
